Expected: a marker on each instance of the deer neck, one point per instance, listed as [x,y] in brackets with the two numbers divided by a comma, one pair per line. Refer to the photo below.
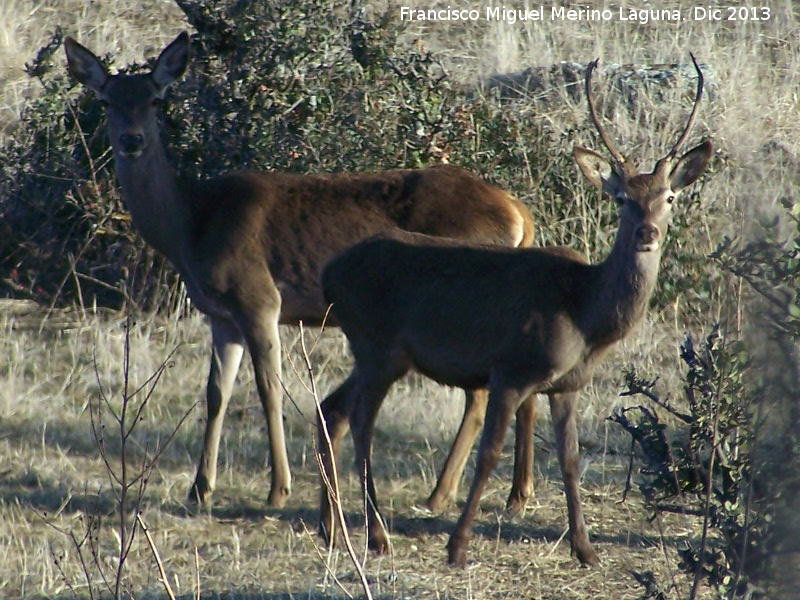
[152,193]
[622,288]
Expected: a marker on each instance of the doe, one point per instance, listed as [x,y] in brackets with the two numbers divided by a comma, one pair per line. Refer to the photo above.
[249,246]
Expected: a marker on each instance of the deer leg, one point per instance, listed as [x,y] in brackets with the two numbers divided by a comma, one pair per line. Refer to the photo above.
[562,409]
[264,343]
[227,347]
[336,409]
[522,487]
[447,485]
[362,425]
[503,402]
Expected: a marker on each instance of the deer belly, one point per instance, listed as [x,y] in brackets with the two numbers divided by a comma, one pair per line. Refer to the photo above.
[455,359]
[203,302]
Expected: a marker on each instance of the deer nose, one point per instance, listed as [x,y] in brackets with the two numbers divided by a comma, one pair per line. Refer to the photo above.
[647,238]
[131,144]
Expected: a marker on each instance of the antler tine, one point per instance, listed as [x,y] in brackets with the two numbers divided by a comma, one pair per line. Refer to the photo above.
[618,156]
[673,153]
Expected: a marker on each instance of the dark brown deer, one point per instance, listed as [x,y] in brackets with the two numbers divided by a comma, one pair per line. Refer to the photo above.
[517,321]
[249,246]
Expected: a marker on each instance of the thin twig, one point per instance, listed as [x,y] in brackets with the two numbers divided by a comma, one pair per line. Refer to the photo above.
[629,477]
[196,574]
[709,487]
[64,577]
[334,487]
[325,562]
[161,571]
[557,542]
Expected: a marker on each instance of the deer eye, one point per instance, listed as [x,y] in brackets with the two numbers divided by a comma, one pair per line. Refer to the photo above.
[620,199]
[670,199]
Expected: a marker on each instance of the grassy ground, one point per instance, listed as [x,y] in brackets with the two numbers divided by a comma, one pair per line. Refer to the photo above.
[53,477]
[53,365]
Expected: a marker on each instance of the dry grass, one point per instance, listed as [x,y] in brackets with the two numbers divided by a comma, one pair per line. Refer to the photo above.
[53,473]
[26,26]
[47,367]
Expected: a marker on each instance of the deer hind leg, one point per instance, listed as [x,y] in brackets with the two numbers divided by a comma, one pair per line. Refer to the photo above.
[522,486]
[263,340]
[226,355]
[563,408]
[355,404]
[447,485]
[370,395]
[336,409]
[503,402]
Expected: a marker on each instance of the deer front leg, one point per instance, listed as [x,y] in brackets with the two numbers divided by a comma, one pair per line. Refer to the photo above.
[226,355]
[562,410]
[522,487]
[502,404]
[447,485]
[263,340]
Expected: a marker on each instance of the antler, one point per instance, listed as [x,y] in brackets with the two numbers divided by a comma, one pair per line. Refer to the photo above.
[674,152]
[618,156]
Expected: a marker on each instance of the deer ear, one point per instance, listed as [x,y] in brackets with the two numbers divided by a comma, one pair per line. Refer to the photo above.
[85,66]
[691,166]
[598,171]
[171,63]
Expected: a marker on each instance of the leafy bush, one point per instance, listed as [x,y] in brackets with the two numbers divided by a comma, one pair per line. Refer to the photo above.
[708,469]
[734,458]
[301,86]
[770,264]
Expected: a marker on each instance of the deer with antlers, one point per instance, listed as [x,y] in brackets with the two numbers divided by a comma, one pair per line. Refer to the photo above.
[249,246]
[518,321]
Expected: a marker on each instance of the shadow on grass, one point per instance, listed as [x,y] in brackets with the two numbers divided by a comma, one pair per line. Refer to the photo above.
[47,497]
[520,531]
[234,595]
[510,530]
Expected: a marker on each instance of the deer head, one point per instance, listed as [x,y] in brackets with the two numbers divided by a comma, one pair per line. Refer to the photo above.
[645,199]
[130,100]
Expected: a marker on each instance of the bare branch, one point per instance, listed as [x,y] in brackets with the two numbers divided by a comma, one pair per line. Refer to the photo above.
[161,571]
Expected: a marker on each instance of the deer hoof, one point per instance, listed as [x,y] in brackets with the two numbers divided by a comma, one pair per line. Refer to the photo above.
[587,556]
[457,552]
[516,504]
[278,497]
[324,531]
[379,543]
[200,493]
[437,503]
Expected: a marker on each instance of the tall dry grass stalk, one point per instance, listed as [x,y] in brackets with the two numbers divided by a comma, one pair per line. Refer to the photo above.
[329,484]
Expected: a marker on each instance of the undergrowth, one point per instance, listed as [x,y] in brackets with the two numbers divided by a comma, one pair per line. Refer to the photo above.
[271,88]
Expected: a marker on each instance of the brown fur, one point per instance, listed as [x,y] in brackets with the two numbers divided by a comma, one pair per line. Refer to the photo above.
[249,246]
[518,321]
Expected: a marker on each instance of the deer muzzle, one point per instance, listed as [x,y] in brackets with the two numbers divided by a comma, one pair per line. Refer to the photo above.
[647,238]
[131,145]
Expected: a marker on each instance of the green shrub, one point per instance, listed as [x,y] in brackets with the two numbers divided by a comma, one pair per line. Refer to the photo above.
[770,264]
[708,468]
[733,458]
[301,86]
